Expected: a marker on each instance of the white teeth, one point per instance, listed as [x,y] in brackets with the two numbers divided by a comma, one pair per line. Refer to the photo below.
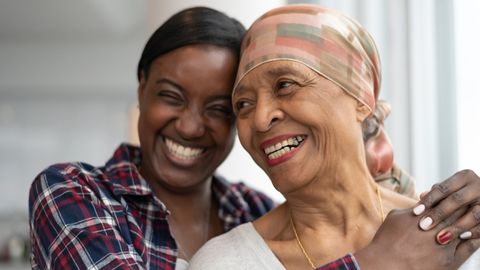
[181,151]
[279,149]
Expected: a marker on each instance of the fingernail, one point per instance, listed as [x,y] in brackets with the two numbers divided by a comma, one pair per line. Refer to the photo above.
[419,209]
[466,235]
[425,223]
[444,237]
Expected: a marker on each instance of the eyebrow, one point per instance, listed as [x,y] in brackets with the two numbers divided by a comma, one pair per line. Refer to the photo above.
[168,81]
[284,70]
[276,72]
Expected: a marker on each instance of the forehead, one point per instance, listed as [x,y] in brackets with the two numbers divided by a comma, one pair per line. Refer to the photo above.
[272,70]
[197,57]
[206,69]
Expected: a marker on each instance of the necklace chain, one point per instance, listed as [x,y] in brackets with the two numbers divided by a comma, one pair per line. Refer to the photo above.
[300,243]
[297,238]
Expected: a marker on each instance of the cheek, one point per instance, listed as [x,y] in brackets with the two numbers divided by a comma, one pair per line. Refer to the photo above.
[244,134]
[223,130]
[153,118]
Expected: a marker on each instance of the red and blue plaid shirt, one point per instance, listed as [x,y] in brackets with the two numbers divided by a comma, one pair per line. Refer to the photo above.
[86,217]
[348,262]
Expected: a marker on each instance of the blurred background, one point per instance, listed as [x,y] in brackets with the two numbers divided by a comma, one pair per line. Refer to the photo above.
[68,88]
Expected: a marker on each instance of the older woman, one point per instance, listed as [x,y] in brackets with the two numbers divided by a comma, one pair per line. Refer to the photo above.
[308,78]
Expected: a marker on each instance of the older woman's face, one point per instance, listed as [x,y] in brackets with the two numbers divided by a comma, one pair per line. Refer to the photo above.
[295,123]
[186,124]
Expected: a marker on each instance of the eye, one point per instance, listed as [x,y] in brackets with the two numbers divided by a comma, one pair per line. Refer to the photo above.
[242,104]
[220,111]
[285,87]
[284,84]
[170,97]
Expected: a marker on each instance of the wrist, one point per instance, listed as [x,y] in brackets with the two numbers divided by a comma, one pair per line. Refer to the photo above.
[370,258]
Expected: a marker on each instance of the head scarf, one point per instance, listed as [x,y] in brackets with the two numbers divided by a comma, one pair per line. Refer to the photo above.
[328,42]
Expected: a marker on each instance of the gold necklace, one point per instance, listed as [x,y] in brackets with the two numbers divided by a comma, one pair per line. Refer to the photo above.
[297,238]
[300,243]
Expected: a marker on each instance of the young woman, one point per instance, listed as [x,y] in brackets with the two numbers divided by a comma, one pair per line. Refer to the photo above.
[153,206]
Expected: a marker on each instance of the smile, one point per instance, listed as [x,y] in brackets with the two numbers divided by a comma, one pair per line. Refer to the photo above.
[284,147]
[182,152]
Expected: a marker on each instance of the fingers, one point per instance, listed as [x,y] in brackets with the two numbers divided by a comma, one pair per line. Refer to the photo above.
[447,207]
[449,229]
[467,227]
[445,198]
[423,194]
[441,190]
[465,249]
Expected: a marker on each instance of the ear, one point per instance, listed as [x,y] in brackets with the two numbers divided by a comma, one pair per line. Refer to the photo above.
[141,90]
[363,111]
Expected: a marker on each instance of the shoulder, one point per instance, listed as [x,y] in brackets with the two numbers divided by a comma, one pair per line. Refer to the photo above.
[241,248]
[72,175]
[63,174]
[65,189]
[230,245]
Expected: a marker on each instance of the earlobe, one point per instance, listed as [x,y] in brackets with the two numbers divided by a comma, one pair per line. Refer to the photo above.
[363,111]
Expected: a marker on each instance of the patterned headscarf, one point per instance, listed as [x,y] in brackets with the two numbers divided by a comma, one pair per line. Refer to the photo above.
[328,42]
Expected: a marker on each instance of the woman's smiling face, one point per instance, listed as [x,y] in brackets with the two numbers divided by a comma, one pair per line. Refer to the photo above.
[294,123]
[186,123]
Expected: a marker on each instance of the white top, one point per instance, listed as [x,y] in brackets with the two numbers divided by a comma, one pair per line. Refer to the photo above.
[181,264]
[240,248]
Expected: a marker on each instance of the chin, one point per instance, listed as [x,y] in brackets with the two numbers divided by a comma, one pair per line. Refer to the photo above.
[182,183]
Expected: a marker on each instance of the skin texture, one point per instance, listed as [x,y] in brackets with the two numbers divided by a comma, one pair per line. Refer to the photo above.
[320,177]
[186,99]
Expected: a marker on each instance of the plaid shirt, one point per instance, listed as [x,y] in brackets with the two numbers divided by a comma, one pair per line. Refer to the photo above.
[85,217]
[348,262]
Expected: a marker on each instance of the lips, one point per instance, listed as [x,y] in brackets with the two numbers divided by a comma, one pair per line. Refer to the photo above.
[282,148]
[182,152]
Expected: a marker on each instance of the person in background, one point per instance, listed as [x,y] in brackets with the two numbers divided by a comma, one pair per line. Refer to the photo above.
[307,81]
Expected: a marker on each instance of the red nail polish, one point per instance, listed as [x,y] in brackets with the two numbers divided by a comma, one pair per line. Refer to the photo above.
[444,237]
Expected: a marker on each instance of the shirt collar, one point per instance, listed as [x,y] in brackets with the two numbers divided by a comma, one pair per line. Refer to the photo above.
[125,179]
[233,207]
[123,174]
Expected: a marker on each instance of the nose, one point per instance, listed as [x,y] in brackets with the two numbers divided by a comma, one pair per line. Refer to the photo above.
[190,124]
[267,114]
